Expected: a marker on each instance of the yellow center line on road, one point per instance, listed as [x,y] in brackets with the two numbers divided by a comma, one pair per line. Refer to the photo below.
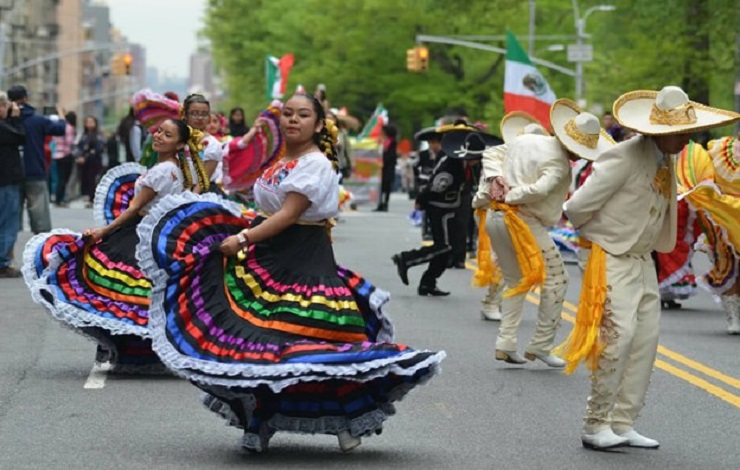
[708,387]
[706,370]
[699,367]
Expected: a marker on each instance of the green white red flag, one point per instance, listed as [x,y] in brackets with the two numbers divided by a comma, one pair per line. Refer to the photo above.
[277,71]
[525,89]
[374,124]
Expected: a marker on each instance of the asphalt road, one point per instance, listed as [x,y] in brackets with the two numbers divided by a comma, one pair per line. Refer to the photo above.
[479,414]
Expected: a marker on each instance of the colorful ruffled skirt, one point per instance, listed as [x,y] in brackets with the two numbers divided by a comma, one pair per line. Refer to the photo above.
[676,278]
[279,338]
[98,291]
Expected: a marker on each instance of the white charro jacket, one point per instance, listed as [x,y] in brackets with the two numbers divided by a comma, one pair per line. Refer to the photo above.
[611,209]
[491,166]
[537,170]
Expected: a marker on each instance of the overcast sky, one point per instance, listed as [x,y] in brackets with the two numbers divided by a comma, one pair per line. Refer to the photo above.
[152,24]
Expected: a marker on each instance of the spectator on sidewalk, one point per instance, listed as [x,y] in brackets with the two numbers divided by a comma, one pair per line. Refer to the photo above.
[89,154]
[11,138]
[34,189]
[124,133]
[64,159]
[388,172]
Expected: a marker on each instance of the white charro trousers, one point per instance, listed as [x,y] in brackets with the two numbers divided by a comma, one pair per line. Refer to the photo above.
[629,328]
[552,292]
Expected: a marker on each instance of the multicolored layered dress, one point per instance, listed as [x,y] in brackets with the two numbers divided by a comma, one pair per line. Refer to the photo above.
[280,338]
[710,183]
[243,162]
[98,290]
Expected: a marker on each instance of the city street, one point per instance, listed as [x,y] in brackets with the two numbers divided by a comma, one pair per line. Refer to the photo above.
[57,412]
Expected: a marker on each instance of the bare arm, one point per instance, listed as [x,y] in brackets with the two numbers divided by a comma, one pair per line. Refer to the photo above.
[210,167]
[294,206]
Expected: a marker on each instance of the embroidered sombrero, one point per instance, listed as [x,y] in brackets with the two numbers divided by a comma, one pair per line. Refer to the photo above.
[668,111]
[517,123]
[580,132]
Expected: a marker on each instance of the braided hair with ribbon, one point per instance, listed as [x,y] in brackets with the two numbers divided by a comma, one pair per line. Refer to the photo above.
[195,143]
[326,139]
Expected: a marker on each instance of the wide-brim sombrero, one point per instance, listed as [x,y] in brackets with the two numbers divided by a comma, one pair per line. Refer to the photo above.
[636,110]
[514,124]
[466,142]
[427,134]
[563,114]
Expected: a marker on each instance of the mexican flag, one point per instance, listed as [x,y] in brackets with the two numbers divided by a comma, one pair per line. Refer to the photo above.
[525,89]
[277,75]
[374,124]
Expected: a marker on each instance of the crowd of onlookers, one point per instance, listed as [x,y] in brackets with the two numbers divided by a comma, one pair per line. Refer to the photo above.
[50,157]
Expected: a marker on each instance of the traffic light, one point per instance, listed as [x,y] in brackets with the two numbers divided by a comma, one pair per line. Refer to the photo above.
[412,60]
[417,59]
[127,60]
[422,54]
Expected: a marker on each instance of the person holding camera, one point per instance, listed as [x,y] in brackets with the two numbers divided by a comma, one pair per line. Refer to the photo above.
[12,137]
[34,188]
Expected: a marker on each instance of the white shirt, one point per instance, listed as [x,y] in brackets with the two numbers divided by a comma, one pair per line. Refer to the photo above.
[163,178]
[311,175]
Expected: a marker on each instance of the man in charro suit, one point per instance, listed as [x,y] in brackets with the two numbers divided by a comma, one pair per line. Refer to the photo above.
[627,209]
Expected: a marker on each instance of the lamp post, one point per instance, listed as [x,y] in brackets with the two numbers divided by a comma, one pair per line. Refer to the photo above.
[580,23]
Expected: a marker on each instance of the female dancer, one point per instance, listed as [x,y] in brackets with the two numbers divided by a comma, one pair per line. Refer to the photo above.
[709,182]
[263,320]
[92,283]
[196,111]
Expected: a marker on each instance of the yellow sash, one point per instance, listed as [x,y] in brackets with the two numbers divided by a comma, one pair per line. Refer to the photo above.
[583,343]
[487,273]
[528,253]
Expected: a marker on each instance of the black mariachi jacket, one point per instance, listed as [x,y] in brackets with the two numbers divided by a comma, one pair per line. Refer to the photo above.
[445,184]
[12,135]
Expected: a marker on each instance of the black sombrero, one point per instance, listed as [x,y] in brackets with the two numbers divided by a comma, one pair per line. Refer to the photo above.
[466,142]
[426,134]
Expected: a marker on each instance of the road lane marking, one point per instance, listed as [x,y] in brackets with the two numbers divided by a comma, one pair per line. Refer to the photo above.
[708,371]
[97,376]
[708,387]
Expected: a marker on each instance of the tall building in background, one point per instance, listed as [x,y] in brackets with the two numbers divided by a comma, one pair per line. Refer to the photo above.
[138,65]
[63,52]
[72,36]
[28,38]
[201,75]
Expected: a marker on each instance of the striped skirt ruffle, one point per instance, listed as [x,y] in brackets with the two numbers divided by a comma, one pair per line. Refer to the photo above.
[281,339]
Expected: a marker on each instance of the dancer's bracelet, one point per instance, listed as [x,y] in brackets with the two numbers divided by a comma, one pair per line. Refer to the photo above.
[243,238]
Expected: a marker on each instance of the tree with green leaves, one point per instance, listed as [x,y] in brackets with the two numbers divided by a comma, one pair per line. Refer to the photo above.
[358,49]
